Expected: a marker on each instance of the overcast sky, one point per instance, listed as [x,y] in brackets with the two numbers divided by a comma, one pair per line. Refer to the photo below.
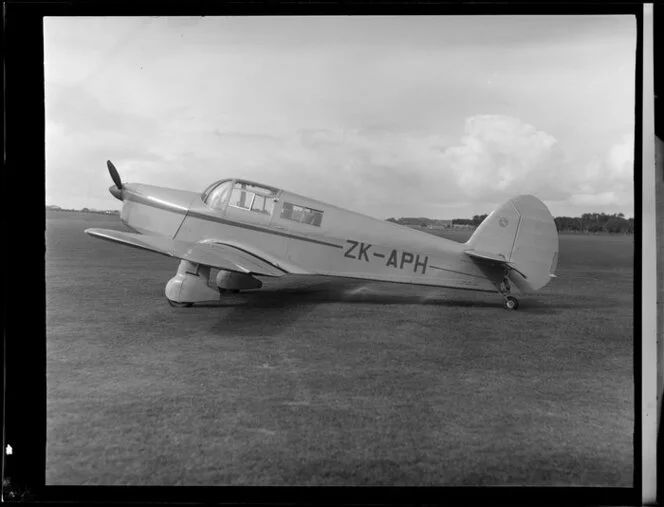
[390,116]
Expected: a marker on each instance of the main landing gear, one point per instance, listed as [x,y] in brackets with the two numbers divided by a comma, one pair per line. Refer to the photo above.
[190,285]
[509,302]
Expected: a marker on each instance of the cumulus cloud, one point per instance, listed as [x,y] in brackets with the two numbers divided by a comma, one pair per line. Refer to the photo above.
[501,155]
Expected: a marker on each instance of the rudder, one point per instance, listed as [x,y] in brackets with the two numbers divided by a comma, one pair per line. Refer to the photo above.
[523,232]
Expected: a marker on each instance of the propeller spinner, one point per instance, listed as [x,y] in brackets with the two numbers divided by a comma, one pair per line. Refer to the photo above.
[115,176]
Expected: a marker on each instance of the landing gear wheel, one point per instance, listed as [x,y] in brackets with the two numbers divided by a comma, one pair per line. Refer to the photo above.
[175,304]
[511,303]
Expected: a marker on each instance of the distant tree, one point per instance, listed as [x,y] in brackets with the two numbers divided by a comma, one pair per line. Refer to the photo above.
[393,220]
[568,223]
[618,224]
[559,223]
[478,219]
[614,225]
[85,209]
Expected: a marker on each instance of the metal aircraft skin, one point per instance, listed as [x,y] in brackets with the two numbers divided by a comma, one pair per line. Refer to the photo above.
[246,229]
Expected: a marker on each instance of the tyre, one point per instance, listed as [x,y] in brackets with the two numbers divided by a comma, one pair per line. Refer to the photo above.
[511,303]
[175,304]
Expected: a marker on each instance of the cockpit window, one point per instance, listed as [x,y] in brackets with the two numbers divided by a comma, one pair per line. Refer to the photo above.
[252,197]
[301,214]
[262,204]
[219,195]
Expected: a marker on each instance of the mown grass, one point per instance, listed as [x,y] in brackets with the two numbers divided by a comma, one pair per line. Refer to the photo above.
[330,382]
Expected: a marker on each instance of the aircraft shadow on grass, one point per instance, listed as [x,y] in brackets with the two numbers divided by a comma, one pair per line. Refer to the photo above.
[360,292]
[271,310]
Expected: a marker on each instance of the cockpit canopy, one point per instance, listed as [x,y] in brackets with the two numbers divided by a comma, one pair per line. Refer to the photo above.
[241,194]
[250,196]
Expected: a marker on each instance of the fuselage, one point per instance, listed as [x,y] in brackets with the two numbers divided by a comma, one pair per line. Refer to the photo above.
[303,235]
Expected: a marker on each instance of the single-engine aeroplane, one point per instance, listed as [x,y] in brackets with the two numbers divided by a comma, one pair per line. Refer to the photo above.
[247,230]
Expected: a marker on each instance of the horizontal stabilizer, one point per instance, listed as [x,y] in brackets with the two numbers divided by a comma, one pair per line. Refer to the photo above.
[495,259]
[208,254]
[499,258]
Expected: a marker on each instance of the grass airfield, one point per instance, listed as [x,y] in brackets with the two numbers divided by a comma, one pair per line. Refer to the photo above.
[334,382]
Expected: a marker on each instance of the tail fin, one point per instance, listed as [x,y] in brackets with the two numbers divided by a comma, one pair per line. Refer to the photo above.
[523,233]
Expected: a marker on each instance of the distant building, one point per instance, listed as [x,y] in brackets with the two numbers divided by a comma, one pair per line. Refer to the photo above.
[421,222]
[439,225]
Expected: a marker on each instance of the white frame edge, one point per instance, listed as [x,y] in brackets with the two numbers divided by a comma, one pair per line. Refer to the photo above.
[650,361]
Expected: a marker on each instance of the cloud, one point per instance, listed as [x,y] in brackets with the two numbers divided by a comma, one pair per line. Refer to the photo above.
[501,155]
[341,110]
[620,160]
[607,181]
[593,200]
[375,172]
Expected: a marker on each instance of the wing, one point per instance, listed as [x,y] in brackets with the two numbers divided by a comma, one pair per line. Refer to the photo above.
[495,259]
[213,254]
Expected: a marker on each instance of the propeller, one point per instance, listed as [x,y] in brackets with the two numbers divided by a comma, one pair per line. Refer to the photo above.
[115,175]
[116,191]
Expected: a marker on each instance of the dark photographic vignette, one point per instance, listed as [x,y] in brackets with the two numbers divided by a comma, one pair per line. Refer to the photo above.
[23,370]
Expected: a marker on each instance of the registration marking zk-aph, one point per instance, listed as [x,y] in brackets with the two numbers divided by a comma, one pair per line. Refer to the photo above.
[396,259]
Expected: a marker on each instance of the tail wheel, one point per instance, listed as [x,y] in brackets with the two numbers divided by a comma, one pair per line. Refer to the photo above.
[511,303]
[175,304]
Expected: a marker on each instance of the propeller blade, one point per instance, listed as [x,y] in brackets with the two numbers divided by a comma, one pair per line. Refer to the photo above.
[115,176]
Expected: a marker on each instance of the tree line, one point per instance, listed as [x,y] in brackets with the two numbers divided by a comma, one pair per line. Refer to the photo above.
[588,222]
[596,222]
[476,220]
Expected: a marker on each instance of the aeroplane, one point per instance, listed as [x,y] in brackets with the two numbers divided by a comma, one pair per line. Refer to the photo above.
[247,230]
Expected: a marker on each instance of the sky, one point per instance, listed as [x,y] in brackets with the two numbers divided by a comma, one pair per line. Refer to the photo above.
[436,116]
